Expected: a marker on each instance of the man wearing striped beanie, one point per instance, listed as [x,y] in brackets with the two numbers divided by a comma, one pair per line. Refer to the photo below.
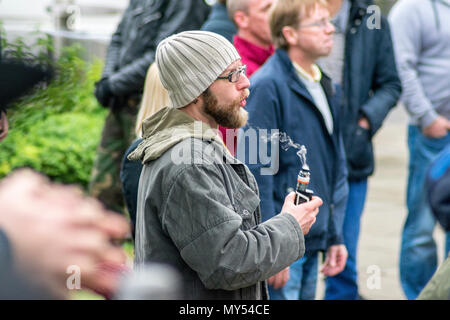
[198,206]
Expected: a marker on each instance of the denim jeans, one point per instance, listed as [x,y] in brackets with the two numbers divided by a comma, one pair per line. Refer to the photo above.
[418,256]
[344,286]
[302,280]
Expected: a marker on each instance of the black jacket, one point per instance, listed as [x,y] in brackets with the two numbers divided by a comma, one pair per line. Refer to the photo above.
[144,24]
[12,284]
[371,85]
[130,171]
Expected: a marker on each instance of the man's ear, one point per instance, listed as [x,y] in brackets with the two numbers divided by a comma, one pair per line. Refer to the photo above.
[199,100]
[241,19]
[290,34]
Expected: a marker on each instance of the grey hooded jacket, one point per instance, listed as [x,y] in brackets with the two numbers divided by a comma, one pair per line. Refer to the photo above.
[198,210]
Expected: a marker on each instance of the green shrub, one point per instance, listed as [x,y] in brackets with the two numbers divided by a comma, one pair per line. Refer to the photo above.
[56,129]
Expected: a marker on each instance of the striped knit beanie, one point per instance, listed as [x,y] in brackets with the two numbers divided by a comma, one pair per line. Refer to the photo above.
[189,62]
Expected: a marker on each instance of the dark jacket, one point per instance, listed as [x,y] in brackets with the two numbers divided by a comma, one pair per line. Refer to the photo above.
[130,171]
[144,24]
[438,188]
[12,284]
[219,22]
[198,210]
[279,100]
[371,85]
[2,107]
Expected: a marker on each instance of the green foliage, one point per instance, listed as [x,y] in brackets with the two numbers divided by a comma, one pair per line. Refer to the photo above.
[56,129]
[38,51]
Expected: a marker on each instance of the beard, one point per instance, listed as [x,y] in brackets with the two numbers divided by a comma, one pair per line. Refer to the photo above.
[231,116]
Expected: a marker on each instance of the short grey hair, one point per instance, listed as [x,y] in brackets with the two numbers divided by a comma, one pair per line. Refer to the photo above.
[236,5]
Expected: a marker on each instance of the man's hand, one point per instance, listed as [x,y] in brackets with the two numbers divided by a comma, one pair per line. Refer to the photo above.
[438,128]
[364,123]
[335,260]
[304,213]
[280,279]
[3,126]
[52,227]
[103,92]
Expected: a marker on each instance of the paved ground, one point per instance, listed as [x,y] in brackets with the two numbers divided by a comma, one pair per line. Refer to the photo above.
[384,214]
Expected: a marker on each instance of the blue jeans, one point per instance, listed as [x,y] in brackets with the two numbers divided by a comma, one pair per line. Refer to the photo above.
[418,256]
[344,286]
[302,280]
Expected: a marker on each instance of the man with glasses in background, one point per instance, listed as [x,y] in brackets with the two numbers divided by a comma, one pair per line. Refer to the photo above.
[291,94]
[362,62]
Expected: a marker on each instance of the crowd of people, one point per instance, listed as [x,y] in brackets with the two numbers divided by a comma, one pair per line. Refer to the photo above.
[192,92]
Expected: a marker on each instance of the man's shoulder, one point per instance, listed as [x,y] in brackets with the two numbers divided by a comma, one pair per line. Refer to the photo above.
[409,11]
[410,5]
[269,75]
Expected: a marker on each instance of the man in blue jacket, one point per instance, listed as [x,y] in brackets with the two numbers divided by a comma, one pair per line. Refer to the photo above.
[362,62]
[291,94]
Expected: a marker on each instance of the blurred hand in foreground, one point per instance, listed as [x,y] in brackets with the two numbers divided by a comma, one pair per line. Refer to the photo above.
[52,227]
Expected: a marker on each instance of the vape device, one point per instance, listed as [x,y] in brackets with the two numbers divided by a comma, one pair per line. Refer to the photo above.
[302,194]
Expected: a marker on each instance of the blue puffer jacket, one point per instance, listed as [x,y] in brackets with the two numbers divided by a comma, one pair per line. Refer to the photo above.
[371,84]
[279,100]
[438,188]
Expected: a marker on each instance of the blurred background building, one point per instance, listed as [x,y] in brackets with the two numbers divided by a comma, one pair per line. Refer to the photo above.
[88,22]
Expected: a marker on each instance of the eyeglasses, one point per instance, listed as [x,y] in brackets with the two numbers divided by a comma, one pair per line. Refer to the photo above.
[322,24]
[234,76]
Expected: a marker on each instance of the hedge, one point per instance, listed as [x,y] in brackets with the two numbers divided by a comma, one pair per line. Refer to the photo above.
[56,129]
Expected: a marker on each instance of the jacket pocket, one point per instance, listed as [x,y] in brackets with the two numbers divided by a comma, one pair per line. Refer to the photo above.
[246,203]
[359,151]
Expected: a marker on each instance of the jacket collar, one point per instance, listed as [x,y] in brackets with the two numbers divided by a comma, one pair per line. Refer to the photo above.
[295,83]
[359,8]
[219,11]
[251,51]
[289,72]
[361,4]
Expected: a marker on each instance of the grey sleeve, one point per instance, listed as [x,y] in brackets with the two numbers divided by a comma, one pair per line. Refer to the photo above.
[200,220]
[406,30]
